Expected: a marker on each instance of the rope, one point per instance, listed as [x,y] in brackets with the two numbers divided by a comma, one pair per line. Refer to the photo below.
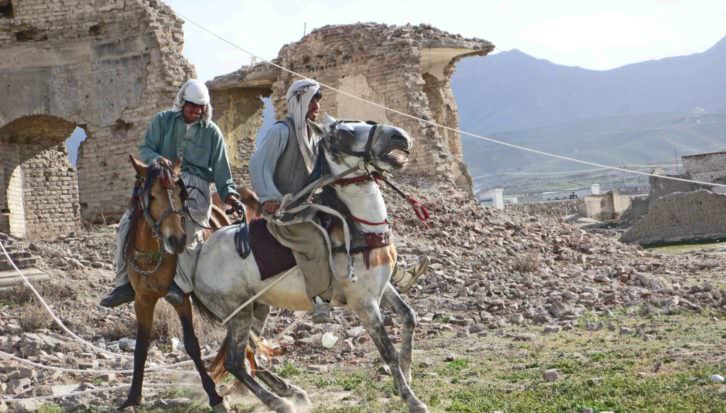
[435,124]
[50,311]
[63,327]
[85,371]
[256,296]
[95,390]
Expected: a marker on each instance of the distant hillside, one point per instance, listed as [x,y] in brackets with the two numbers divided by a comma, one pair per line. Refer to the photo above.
[512,91]
[617,140]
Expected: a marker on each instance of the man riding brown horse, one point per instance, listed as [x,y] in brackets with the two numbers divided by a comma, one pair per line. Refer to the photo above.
[185,133]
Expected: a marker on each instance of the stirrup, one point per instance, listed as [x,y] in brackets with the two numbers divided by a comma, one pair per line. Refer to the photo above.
[120,295]
[175,295]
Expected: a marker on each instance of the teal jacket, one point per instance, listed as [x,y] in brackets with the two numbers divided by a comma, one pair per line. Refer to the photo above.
[202,149]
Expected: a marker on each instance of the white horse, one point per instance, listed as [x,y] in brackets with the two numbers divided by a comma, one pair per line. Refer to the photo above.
[224,280]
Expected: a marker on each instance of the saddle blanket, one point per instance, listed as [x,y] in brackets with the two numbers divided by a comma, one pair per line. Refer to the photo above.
[271,257]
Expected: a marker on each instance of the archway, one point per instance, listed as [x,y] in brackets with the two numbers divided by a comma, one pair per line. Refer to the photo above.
[38,185]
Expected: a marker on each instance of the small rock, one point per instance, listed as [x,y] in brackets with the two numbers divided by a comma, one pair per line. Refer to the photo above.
[586,410]
[127,344]
[355,331]
[175,342]
[328,340]
[517,319]
[477,328]
[450,357]
[717,378]
[63,389]
[384,370]
[626,330]
[18,386]
[23,406]
[552,329]
[551,375]
[319,368]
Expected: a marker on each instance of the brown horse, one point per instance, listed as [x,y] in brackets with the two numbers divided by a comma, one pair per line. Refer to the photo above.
[155,238]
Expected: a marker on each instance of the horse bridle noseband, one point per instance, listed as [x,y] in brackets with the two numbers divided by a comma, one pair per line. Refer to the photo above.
[166,182]
[144,204]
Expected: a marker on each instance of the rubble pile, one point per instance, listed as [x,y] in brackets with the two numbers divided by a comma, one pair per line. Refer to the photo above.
[490,270]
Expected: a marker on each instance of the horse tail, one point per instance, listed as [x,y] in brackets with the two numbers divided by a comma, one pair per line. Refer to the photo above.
[217,369]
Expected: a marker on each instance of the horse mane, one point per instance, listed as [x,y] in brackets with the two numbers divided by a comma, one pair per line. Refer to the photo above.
[153,171]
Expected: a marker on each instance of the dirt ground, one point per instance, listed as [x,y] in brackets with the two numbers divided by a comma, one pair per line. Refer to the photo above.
[517,313]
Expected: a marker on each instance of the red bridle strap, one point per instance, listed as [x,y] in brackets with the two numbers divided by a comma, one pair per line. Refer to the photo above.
[351,181]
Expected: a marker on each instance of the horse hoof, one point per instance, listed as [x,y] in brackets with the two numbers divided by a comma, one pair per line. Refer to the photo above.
[221,407]
[302,399]
[130,403]
[284,406]
[419,408]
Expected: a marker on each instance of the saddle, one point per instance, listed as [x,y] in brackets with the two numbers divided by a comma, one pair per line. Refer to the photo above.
[271,257]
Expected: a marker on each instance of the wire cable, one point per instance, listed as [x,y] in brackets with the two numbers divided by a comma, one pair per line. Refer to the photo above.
[435,124]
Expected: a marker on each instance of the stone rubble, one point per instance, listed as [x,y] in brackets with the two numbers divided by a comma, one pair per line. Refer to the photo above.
[490,271]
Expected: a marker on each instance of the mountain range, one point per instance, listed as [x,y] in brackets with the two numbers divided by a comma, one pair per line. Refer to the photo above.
[638,113]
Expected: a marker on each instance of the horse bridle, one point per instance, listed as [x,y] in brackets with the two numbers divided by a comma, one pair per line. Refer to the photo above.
[144,205]
[166,182]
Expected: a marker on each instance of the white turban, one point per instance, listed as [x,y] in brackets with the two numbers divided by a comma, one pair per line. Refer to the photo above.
[194,91]
[299,95]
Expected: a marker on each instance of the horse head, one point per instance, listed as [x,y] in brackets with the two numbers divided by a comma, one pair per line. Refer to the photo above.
[372,146]
[160,196]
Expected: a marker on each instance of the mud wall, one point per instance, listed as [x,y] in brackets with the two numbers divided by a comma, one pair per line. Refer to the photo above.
[407,68]
[680,216]
[104,66]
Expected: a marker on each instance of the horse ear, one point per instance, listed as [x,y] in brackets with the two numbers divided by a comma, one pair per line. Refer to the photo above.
[138,165]
[176,166]
[317,129]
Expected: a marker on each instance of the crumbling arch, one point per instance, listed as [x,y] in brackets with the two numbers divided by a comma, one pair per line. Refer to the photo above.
[38,185]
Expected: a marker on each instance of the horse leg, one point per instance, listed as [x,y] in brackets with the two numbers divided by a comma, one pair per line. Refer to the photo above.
[370,316]
[238,331]
[191,345]
[144,307]
[408,316]
[259,317]
[283,387]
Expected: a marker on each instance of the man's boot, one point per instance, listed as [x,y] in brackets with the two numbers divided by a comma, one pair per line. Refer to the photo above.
[175,295]
[321,311]
[120,295]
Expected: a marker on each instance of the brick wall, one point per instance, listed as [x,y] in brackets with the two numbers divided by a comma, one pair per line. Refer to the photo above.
[407,68]
[106,66]
[706,167]
[681,216]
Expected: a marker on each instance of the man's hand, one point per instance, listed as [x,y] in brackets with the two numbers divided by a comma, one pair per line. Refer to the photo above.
[271,206]
[164,162]
[236,204]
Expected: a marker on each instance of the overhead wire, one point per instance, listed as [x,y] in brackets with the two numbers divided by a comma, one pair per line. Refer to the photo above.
[448,128]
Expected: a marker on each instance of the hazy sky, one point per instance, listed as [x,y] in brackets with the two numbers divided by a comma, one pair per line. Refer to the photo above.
[594,34]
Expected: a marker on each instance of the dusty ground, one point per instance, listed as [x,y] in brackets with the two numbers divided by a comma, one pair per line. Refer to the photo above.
[507,297]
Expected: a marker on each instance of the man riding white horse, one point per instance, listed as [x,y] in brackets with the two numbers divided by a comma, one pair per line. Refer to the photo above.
[281,165]
[186,133]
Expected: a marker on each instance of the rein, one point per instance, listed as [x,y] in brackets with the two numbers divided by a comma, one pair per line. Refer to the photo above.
[421,212]
[142,205]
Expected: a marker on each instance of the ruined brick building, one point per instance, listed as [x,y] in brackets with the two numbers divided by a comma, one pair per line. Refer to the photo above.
[105,66]
[108,66]
[405,68]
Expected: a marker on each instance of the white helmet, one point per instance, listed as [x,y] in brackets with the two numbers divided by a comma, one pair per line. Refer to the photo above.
[195,91]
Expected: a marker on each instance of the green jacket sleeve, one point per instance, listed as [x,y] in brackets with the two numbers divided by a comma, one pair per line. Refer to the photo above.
[220,165]
[150,149]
